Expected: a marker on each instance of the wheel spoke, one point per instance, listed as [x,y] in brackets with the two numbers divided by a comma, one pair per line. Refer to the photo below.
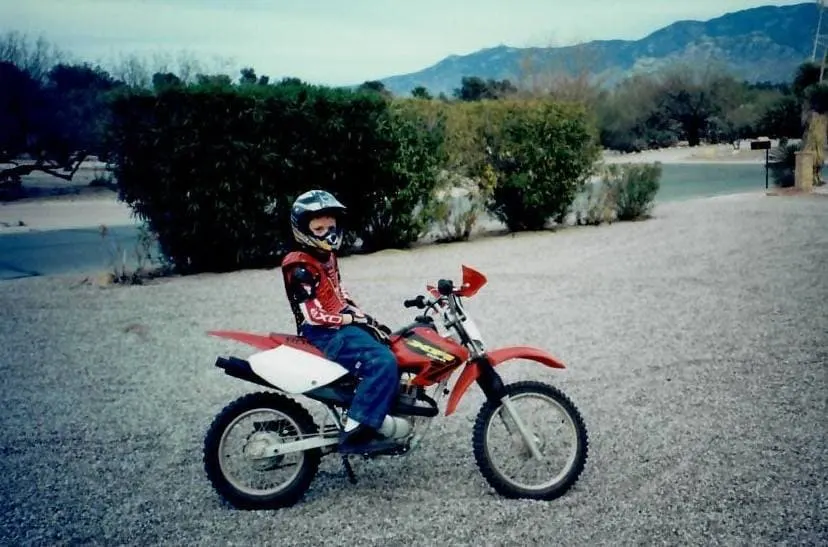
[525,434]
[239,447]
[550,462]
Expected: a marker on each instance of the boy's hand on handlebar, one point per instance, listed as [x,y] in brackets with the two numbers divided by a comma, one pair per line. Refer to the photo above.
[362,319]
[349,317]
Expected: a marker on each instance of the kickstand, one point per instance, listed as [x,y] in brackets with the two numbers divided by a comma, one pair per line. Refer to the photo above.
[346,463]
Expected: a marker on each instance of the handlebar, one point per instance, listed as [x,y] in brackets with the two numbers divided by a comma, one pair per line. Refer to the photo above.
[444,286]
[418,302]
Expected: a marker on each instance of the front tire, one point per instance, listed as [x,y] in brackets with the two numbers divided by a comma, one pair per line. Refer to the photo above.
[552,483]
[283,420]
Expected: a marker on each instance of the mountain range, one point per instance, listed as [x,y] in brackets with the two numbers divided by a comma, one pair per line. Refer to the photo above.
[758,44]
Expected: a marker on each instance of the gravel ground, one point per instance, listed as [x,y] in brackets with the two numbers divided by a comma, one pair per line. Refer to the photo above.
[697,344]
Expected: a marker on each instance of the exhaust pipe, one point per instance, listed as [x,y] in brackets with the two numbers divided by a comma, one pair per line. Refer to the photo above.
[239,368]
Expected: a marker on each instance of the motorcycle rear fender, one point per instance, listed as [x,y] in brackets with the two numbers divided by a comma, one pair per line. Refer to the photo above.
[285,367]
[293,370]
[496,357]
[258,341]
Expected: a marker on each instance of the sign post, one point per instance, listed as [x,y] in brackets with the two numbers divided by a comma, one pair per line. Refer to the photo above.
[762,145]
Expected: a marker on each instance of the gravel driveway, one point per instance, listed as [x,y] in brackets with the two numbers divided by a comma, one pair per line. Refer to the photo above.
[697,344]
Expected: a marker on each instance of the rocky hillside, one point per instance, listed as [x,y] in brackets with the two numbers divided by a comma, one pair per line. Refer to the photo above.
[757,44]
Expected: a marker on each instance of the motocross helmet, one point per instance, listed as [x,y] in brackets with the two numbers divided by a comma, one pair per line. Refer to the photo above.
[311,204]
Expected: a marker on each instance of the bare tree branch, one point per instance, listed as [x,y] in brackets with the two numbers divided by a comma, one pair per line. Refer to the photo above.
[48,168]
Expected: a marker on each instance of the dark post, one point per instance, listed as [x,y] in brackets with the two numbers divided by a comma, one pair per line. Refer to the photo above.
[762,145]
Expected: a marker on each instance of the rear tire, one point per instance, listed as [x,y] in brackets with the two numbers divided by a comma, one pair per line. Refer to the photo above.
[295,421]
[508,486]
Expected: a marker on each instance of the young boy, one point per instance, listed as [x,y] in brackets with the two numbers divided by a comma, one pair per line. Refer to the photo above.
[329,318]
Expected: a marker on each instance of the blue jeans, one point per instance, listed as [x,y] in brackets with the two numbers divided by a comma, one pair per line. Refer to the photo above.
[368,359]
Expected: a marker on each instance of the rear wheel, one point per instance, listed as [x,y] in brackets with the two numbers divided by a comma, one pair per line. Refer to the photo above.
[236,456]
[556,429]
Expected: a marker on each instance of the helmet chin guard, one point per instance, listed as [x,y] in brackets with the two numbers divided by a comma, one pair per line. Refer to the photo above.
[312,204]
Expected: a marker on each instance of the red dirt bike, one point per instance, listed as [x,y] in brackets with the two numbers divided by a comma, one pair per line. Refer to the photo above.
[281,446]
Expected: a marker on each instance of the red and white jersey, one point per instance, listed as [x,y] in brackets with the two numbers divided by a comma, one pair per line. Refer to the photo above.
[314,290]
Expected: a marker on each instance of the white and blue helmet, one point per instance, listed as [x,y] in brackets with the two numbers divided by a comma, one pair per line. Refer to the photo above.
[310,204]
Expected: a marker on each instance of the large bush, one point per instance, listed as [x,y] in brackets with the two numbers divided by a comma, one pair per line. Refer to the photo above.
[213,169]
[466,180]
[522,160]
[542,154]
[405,169]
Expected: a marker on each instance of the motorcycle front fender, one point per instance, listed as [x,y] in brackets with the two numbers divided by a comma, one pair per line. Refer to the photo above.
[496,357]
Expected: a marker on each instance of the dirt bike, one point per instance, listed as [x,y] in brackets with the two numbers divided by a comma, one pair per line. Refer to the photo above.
[287,439]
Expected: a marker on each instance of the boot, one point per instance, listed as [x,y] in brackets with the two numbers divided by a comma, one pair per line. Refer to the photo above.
[364,440]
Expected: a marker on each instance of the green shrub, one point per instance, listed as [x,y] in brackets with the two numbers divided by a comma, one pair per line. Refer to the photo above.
[213,169]
[147,265]
[783,162]
[456,205]
[404,166]
[817,98]
[190,164]
[632,188]
[464,181]
[596,205]
[541,154]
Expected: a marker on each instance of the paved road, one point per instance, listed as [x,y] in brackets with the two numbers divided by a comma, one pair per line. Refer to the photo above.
[82,250]
[51,252]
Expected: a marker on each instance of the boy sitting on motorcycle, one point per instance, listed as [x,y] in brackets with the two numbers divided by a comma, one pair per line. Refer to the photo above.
[328,317]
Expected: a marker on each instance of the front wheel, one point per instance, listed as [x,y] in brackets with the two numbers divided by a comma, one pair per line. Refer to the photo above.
[544,471]
[237,455]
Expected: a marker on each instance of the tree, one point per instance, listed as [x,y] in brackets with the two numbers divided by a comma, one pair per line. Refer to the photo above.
[288,81]
[22,105]
[629,118]
[165,80]
[374,86]
[58,123]
[782,119]
[474,88]
[567,74]
[248,76]
[806,75]
[689,99]
[133,71]
[420,92]
[36,59]
[79,98]
[738,110]
[213,80]
[813,97]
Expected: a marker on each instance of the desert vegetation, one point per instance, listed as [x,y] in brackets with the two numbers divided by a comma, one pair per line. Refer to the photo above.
[527,155]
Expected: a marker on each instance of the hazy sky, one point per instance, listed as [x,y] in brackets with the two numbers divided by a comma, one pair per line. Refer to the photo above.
[339,41]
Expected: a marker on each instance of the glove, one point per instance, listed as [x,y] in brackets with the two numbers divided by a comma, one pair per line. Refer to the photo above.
[374,324]
[377,325]
[356,318]
[375,328]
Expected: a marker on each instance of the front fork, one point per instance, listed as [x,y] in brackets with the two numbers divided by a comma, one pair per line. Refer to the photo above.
[492,386]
